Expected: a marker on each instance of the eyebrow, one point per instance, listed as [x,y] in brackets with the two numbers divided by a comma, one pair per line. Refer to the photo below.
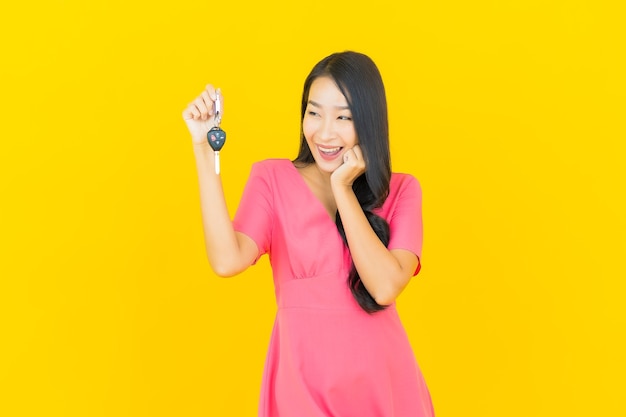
[313,103]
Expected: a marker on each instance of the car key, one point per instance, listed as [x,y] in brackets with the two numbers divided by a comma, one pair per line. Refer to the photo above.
[216,136]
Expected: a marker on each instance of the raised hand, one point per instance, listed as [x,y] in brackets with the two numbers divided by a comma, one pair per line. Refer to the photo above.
[198,115]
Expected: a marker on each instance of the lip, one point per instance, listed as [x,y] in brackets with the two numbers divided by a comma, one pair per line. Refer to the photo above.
[324,153]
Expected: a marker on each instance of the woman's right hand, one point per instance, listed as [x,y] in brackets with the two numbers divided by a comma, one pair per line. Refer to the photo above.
[199,114]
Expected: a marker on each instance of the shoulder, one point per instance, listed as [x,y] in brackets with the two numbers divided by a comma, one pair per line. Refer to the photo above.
[405,192]
[274,174]
[272,166]
[401,182]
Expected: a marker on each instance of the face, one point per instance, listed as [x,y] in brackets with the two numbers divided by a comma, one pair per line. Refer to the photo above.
[327,124]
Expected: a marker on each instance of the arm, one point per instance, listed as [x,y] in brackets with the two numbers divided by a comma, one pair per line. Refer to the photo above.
[385,273]
[229,252]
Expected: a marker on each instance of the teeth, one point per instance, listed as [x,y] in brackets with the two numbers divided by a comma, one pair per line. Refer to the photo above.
[330,150]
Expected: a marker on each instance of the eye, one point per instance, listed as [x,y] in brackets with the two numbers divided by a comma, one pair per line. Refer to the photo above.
[312,113]
[345,118]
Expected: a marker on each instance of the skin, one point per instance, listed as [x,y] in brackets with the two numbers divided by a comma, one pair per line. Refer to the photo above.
[229,252]
[327,125]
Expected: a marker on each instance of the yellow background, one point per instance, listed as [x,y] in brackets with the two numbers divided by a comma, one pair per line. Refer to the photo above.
[511,114]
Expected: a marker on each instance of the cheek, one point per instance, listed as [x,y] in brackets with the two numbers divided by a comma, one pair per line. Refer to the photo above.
[349,135]
[308,128]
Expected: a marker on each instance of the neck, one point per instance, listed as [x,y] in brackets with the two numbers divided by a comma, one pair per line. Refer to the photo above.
[316,177]
[323,176]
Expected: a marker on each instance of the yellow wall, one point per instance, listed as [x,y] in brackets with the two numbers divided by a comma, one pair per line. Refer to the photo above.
[511,113]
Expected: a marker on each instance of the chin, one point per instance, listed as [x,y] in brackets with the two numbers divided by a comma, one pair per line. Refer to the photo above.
[327,166]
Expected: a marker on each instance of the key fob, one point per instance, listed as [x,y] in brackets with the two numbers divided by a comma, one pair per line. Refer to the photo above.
[216,138]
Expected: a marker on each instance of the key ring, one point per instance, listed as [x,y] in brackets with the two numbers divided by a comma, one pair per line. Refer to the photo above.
[218,108]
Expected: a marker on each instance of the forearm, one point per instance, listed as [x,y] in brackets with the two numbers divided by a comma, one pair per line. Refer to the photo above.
[380,271]
[221,241]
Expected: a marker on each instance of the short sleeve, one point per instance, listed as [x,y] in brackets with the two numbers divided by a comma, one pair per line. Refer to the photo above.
[405,219]
[255,212]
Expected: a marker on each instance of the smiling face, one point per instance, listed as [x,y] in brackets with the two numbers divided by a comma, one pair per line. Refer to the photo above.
[327,124]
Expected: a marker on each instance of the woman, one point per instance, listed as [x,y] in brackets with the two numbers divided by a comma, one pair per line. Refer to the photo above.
[344,237]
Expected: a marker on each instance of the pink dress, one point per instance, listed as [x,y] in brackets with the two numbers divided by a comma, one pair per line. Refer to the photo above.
[327,357]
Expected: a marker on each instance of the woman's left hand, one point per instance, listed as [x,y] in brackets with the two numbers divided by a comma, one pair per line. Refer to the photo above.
[353,166]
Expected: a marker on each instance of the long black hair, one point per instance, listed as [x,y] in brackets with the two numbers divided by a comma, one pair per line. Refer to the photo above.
[359,80]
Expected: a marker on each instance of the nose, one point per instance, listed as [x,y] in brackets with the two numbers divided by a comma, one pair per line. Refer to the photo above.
[327,130]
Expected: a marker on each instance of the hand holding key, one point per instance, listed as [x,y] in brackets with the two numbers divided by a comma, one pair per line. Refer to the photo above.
[216,136]
[201,114]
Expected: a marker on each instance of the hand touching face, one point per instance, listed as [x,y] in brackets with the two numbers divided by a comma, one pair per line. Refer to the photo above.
[353,166]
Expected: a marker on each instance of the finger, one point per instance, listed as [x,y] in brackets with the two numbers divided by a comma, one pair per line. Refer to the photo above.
[202,107]
[357,152]
[356,158]
[207,101]
[211,91]
[191,112]
[350,155]
[187,114]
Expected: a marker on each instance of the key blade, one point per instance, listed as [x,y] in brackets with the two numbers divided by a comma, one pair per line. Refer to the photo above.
[217,162]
